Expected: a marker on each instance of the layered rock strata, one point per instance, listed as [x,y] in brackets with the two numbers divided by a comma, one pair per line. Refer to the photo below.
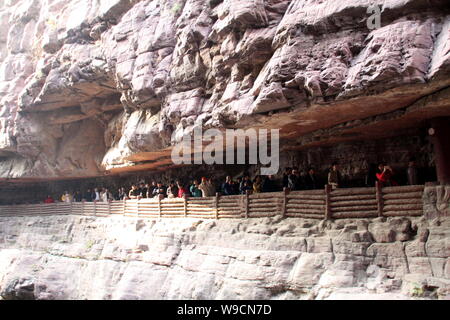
[75,257]
[88,86]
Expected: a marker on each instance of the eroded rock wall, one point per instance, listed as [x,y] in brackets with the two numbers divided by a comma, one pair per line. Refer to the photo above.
[74,257]
[92,85]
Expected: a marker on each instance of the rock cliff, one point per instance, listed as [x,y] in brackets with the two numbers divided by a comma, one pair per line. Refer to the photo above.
[88,86]
[76,257]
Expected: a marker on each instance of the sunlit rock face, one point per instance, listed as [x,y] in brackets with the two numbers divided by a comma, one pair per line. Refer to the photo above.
[79,257]
[88,86]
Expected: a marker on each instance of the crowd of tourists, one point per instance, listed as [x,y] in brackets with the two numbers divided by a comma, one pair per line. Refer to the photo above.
[292,179]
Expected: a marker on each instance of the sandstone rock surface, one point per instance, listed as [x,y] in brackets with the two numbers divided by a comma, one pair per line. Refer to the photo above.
[137,75]
[79,257]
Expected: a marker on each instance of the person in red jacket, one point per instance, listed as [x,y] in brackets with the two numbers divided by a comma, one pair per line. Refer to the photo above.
[49,200]
[385,174]
[181,190]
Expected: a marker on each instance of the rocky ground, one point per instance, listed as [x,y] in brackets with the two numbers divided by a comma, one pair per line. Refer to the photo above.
[76,257]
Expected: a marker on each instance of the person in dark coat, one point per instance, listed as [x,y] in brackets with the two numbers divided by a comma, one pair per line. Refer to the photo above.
[269,184]
[121,194]
[88,195]
[371,175]
[151,188]
[77,197]
[294,180]
[245,185]
[311,180]
[144,190]
[134,193]
[286,174]
[228,187]
[160,190]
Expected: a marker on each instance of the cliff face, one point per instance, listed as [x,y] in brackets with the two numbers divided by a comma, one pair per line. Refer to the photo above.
[88,85]
[75,257]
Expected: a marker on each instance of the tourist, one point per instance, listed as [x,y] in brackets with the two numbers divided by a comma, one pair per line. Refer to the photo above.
[240,183]
[151,188]
[105,195]
[246,184]
[110,195]
[194,190]
[143,190]
[236,185]
[334,176]
[207,187]
[412,172]
[384,175]
[311,180]
[102,193]
[203,187]
[96,195]
[294,180]
[228,187]
[247,187]
[182,192]
[269,184]
[134,192]
[77,197]
[371,175]
[159,191]
[172,190]
[139,189]
[121,194]
[67,197]
[212,187]
[286,174]
[88,195]
[49,199]
[257,185]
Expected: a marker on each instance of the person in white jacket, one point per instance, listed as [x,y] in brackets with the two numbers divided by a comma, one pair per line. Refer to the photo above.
[105,195]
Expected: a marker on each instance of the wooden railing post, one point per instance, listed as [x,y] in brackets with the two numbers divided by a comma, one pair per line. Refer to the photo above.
[185,198]
[284,207]
[327,202]
[159,206]
[246,203]
[137,206]
[95,208]
[216,204]
[379,195]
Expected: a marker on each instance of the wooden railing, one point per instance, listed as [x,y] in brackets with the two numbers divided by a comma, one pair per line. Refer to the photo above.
[315,204]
